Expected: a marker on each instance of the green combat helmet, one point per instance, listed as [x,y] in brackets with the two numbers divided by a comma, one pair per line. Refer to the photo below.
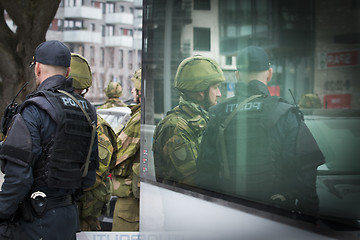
[136,78]
[80,72]
[197,74]
[310,100]
[113,90]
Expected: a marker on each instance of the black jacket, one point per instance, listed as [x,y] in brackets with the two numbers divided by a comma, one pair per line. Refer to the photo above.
[265,155]
[19,177]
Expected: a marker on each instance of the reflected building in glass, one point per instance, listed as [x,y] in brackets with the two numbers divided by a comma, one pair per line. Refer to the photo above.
[312,45]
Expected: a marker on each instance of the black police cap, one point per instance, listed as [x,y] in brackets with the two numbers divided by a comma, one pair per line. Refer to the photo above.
[253,59]
[53,53]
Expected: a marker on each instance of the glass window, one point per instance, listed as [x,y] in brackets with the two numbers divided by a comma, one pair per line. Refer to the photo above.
[110,30]
[110,7]
[201,4]
[121,58]
[131,59]
[103,30]
[202,39]
[102,55]
[300,158]
[92,55]
[111,57]
[228,60]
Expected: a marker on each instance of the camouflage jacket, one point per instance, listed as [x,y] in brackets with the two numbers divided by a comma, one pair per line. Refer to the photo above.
[176,142]
[112,102]
[126,180]
[95,197]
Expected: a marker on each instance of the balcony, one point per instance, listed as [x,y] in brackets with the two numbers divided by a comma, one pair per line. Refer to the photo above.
[123,18]
[82,36]
[83,12]
[119,41]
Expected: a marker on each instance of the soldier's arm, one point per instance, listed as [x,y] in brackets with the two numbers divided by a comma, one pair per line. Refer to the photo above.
[182,153]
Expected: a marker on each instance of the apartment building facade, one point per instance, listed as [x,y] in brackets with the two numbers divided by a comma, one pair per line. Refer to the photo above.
[108,33]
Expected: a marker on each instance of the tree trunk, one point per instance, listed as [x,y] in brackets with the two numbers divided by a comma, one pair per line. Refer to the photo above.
[32,18]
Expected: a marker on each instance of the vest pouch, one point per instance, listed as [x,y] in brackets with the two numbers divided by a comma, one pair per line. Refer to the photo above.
[39,205]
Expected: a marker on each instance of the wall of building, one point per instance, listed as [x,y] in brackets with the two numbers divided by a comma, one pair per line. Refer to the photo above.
[336,75]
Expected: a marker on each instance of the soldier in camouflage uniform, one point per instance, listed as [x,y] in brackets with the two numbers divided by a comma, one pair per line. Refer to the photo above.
[178,135]
[113,91]
[96,199]
[310,100]
[126,180]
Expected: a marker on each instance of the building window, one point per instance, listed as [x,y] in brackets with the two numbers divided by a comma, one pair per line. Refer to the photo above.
[53,25]
[228,60]
[202,39]
[103,30]
[60,24]
[92,55]
[73,3]
[126,32]
[121,80]
[81,50]
[111,57]
[122,9]
[201,4]
[73,25]
[121,58]
[131,59]
[103,8]
[110,30]
[102,59]
[92,25]
[96,4]
[110,7]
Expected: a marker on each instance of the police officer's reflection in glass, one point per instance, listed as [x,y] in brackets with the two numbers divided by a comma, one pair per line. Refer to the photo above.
[257,146]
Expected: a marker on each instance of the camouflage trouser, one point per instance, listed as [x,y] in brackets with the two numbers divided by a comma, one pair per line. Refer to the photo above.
[90,224]
[92,204]
[126,215]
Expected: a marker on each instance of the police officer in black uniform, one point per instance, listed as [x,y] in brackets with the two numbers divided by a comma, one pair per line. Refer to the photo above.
[257,146]
[49,154]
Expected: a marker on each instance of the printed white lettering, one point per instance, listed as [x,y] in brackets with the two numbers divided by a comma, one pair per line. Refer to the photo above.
[69,101]
[230,107]
[72,102]
[65,101]
[257,105]
[248,106]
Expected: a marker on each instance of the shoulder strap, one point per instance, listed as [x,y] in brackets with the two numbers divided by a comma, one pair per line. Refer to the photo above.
[93,131]
[221,137]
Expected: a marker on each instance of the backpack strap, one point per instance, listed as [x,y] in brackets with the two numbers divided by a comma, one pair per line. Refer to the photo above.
[221,135]
[93,131]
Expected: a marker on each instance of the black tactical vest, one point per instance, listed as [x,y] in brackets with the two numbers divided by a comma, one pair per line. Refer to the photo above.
[63,158]
[251,152]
